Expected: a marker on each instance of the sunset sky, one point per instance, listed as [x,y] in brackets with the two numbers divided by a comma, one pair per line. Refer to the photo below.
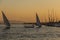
[25,10]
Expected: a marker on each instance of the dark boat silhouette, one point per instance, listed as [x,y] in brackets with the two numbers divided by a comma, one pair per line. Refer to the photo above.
[51,22]
[6,21]
[31,25]
[26,25]
[38,23]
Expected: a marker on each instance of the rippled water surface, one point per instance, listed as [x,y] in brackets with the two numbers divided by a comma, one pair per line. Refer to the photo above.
[18,32]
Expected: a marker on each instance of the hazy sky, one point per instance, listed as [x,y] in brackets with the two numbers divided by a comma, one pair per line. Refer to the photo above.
[25,10]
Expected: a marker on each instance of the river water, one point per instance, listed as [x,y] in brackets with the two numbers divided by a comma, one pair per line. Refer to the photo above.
[18,32]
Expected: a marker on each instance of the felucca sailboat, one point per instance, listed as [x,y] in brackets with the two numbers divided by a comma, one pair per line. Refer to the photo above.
[38,23]
[6,21]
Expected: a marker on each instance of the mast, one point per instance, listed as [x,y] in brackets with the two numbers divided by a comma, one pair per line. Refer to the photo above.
[52,15]
[49,17]
[56,17]
[6,21]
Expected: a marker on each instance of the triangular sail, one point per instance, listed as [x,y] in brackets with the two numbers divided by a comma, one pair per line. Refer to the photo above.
[6,22]
[38,21]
